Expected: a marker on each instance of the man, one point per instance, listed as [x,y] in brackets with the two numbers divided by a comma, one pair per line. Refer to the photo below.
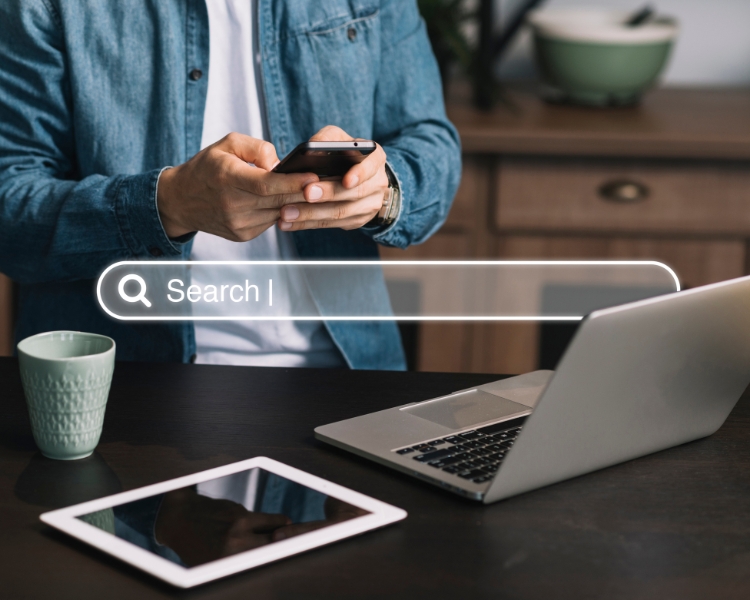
[98,99]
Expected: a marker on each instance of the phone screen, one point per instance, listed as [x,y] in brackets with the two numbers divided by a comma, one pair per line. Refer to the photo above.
[326,159]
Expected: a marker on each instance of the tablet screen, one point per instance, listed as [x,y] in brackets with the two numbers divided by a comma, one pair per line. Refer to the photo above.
[221,517]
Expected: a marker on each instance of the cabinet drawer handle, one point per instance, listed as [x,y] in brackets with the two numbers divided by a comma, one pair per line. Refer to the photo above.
[623,191]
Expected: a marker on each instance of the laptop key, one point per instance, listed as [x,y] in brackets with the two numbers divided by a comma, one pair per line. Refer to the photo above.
[436,442]
[452,469]
[482,479]
[433,454]
[472,474]
[507,443]
[404,450]
[453,439]
[469,435]
[452,460]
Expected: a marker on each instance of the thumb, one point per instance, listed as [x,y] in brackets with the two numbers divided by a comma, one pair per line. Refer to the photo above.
[331,133]
[252,150]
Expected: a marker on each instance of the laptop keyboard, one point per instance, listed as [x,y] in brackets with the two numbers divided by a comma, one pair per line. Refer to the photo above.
[475,455]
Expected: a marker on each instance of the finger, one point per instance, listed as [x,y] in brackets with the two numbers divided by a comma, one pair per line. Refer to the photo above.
[331,133]
[327,191]
[263,183]
[368,168]
[346,224]
[245,202]
[251,150]
[239,201]
[331,211]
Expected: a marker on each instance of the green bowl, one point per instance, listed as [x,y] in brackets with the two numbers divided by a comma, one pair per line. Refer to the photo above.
[589,57]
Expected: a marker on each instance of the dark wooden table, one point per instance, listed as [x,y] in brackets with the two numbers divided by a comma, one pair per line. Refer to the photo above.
[672,525]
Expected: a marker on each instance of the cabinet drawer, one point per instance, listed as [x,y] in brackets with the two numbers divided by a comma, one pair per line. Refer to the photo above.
[623,196]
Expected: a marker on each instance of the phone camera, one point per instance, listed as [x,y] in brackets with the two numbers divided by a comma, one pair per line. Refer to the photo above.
[356,144]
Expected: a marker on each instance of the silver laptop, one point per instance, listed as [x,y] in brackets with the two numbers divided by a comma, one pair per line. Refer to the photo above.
[636,379]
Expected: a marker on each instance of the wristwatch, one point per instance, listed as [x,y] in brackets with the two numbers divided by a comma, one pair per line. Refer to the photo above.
[391,201]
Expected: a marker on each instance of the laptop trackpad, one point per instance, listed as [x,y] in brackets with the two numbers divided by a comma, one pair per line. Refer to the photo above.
[465,409]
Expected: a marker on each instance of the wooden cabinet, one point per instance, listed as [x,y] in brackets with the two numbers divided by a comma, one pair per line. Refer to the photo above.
[546,181]
[622,196]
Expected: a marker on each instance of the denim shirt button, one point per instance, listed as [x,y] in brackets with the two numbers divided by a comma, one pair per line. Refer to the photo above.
[352,33]
[196,74]
[156,252]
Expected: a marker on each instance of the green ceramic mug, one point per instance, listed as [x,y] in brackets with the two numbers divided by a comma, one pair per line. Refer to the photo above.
[66,377]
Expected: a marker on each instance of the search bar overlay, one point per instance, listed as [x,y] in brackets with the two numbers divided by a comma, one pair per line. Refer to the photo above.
[352,290]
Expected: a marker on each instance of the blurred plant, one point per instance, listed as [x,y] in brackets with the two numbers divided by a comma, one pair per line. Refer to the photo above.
[450,24]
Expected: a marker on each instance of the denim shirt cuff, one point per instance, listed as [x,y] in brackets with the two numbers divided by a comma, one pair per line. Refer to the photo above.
[388,235]
[139,220]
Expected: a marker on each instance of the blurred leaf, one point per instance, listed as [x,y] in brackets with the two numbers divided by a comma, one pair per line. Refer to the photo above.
[446,21]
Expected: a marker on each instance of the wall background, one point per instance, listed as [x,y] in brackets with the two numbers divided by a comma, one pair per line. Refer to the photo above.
[713,48]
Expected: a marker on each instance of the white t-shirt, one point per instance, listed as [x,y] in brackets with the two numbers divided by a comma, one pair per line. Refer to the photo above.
[233,104]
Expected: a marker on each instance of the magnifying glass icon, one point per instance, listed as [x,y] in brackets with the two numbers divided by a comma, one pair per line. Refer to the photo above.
[140,296]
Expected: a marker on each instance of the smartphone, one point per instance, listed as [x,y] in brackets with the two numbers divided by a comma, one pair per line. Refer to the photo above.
[328,160]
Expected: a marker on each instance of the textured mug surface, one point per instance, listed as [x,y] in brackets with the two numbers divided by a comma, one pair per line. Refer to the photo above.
[66,377]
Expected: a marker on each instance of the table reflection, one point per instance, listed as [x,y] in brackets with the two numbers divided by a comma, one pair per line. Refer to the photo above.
[58,483]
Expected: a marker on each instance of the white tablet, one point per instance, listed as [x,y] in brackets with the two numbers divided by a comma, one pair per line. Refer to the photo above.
[197,528]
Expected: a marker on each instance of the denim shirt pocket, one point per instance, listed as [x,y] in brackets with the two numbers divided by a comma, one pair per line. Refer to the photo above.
[331,68]
[346,19]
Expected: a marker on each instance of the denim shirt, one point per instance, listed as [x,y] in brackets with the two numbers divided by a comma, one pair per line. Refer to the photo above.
[96,98]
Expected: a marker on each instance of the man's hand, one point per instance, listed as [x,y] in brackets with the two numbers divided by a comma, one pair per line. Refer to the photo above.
[349,203]
[216,191]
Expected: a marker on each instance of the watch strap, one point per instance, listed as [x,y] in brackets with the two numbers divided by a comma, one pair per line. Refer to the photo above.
[391,200]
